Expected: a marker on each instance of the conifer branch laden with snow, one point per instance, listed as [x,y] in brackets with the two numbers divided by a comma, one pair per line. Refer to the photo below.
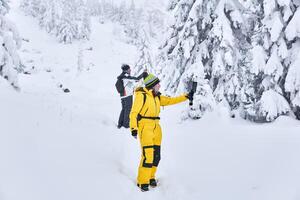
[10,42]
[292,83]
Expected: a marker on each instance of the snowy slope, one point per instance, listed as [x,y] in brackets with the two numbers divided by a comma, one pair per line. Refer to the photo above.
[56,145]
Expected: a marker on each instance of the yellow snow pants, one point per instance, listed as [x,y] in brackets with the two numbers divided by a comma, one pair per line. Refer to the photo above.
[150,136]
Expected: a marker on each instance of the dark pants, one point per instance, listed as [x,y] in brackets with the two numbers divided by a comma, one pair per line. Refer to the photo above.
[124,115]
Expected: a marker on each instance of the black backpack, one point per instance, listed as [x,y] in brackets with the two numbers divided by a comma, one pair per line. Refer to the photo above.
[120,86]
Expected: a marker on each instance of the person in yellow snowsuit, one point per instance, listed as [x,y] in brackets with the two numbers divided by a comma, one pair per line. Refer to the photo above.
[144,122]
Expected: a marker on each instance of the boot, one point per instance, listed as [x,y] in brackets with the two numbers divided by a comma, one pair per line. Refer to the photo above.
[153,183]
[144,187]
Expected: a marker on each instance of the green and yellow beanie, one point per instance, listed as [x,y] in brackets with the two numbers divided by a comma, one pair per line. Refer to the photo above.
[150,81]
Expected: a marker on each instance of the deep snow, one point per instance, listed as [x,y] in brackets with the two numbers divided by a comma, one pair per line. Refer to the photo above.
[56,145]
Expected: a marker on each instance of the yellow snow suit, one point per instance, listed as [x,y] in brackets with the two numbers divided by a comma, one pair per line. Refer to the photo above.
[144,118]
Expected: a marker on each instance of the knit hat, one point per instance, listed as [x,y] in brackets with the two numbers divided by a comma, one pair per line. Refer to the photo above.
[125,67]
[150,81]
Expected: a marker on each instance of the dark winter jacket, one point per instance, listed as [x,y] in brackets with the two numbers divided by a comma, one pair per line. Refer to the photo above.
[129,82]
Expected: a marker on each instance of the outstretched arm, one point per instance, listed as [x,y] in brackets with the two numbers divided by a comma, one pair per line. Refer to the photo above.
[142,75]
[166,101]
[131,78]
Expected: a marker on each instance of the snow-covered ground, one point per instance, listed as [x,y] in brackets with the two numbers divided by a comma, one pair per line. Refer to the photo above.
[65,146]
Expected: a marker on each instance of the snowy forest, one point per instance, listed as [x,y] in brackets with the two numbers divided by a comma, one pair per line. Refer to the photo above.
[244,54]
[221,100]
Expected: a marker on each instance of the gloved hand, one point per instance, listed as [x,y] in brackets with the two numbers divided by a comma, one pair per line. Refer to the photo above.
[145,74]
[134,133]
[190,96]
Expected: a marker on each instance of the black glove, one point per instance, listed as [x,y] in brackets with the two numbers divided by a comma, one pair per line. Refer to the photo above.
[190,96]
[134,133]
[144,75]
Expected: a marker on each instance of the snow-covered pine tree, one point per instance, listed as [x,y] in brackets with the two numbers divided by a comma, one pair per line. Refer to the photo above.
[171,58]
[67,29]
[155,18]
[292,82]
[44,10]
[108,10]
[248,75]
[49,18]
[207,32]
[133,25]
[74,21]
[94,7]
[25,5]
[254,62]
[32,7]
[227,40]
[83,18]
[67,19]
[122,13]
[145,60]
[269,63]
[10,42]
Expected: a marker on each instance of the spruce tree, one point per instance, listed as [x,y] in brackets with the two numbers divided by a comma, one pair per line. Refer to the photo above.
[67,29]
[94,7]
[145,58]
[270,56]
[205,34]
[292,82]
[49,18]
[83,18]
[10,42]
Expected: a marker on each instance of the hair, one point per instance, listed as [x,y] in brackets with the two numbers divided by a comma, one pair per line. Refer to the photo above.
[125,67]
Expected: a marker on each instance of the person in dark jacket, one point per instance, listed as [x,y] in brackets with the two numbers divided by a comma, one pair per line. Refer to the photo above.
[126,97]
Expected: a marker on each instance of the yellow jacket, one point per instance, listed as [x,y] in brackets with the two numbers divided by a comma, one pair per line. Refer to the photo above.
[150,105]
